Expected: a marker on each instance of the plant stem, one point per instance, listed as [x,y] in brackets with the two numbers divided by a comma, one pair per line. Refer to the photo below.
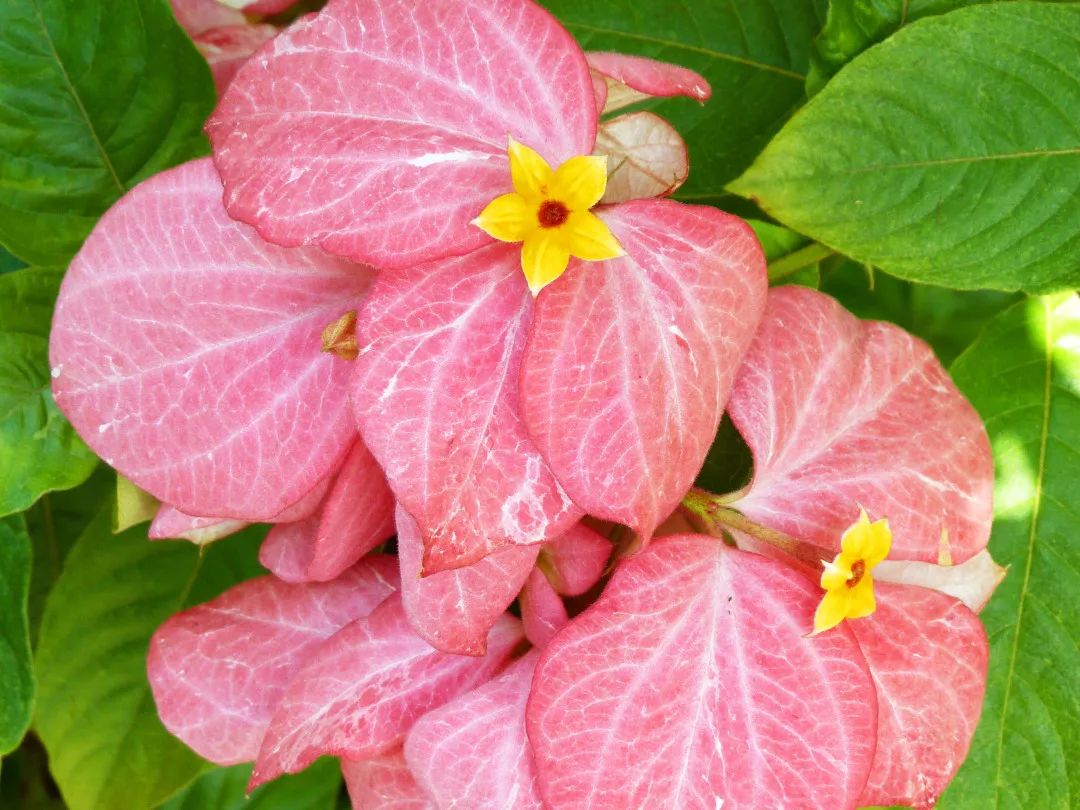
[713,515]
[799,260]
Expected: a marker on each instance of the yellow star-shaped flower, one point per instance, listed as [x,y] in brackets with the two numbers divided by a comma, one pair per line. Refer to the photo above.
[849,587]
[548,212]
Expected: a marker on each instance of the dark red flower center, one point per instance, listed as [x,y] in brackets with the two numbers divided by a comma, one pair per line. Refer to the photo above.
[858,568]
[552,214]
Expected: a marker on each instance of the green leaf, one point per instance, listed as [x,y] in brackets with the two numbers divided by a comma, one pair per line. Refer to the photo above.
[949,320]
[55,522]
[16,669]
[964,175]
[39,451]
[97,95]
[754,53]
[315,788]
[852,26]
[1023,376]
[95,714]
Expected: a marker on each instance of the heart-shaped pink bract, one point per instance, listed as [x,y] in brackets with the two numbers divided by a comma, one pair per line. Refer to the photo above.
[390,170]
[629,362]
[473,752]
[436,397]
[841,413]
[185,351]
[692,683]
[219,670]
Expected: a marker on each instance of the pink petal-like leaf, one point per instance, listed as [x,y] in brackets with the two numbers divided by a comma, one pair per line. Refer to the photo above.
[634,78]
[473,753]
[691,684]
[226,49]
[391,169]
[454,610]
[436,397]
[972,582]
[383,783]
[219,670]
[362,690]
[197,16]
[543,613]
[186,352]
[646,157]
[170,522]
[356,516]
[629,362]
[928,654]
[575,561]
[841,413]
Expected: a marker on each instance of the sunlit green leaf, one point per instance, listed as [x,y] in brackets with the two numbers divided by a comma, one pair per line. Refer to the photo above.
[1023,375]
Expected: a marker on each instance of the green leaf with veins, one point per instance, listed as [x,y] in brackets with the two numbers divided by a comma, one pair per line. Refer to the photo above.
[754,54]
[39,450]
[1023,376]
[966,175]
[95,713]
[97,95]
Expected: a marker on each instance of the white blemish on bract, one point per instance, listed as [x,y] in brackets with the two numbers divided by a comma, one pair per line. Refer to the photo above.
[457,156]
[690,352]
[55,372]
[295,173]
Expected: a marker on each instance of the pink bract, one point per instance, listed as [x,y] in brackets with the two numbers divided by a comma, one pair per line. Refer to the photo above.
[364,687]
[390,170]
[454,610]
[575,561]
[383,783]
[648,76]
[356,515]
[473,752]
[219,670]
[543,613]
[192,365]
[630,361]
[692,682]
[436,397]
[927,654]
[841,413]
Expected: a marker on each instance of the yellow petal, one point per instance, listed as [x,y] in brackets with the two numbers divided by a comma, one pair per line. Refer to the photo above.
[835,575]
[508,218]
[589,238]
[832,610]
[529,172]
[880,542]
[861,598]
[580,182]
[857,537]
[544,257]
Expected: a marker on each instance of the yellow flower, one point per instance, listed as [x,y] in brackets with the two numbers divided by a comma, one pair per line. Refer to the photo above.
[549,212]
[849,587]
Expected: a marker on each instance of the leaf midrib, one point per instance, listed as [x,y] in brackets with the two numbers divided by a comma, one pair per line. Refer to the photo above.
[98,145]
[668,43]
[1036,507]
